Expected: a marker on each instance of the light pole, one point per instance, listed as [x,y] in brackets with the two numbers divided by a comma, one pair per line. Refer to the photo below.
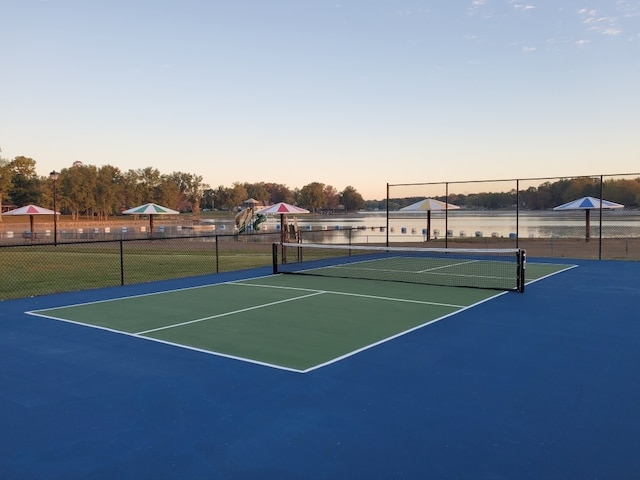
[54,176]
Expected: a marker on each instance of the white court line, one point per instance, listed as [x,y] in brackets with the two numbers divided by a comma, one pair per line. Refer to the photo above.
[361,295]
[233,312]
[138,295]
[447,266]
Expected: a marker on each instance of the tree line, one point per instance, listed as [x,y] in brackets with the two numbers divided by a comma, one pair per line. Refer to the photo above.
[101,192]
[545,196]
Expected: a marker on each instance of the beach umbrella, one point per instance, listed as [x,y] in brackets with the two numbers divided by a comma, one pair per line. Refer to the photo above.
[587,204]
[150,209]
[428,205]
[31,210]
[283,209]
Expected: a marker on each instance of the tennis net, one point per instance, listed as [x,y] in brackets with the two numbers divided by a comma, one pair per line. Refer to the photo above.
[501,269]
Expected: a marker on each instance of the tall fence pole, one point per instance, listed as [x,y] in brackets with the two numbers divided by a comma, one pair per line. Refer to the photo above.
[121,262]
[517,213]
[600,221]
[387,227]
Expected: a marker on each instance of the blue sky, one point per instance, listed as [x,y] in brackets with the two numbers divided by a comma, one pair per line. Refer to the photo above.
[346,92]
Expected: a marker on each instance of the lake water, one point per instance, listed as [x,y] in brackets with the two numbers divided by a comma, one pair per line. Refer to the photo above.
[544,224]
[370,227]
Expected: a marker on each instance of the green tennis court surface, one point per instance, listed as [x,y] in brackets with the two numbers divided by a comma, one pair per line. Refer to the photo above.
[291,322]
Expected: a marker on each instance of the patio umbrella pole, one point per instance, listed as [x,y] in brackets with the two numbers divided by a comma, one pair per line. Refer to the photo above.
[587,221]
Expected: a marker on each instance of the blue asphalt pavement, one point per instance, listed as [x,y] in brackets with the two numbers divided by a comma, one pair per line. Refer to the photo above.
[540,385]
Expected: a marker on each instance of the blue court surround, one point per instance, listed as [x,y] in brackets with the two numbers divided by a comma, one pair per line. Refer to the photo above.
[541,385]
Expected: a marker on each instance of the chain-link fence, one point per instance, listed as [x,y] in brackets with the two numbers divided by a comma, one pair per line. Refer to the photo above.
[522,213]
[37,268]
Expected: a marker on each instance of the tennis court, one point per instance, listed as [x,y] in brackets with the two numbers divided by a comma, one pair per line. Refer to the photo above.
[115,383]
[303,322]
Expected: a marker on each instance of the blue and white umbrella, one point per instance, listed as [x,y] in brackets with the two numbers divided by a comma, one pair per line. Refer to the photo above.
[587,204]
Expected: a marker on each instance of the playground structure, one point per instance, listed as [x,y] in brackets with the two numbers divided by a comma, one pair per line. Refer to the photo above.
[248,220]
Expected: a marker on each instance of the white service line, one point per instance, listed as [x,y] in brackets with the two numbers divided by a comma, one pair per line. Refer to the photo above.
[233,312]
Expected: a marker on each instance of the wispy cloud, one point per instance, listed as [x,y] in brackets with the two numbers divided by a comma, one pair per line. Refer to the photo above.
[602,24]
[476,6]
[523,8]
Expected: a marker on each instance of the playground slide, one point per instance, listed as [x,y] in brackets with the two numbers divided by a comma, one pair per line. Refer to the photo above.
[260,218]
[243,218]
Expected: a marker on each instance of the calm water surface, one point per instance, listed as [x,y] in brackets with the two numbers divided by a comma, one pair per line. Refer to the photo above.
[545,224]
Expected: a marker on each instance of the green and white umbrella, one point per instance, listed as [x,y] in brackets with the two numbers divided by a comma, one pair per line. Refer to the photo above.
[150,209]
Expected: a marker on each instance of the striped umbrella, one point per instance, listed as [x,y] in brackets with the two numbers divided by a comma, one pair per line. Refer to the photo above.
[150,209]
[31,210]
[283,209]
[587,204]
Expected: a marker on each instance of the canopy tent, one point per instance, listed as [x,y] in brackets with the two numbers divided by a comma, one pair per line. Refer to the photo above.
[587,204]
[150,209]
[31,210]
[428,205]
[283,209]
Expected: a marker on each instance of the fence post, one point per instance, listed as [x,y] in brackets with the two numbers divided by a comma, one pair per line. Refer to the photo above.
[121,262]
[600,225]
[518,214]
[217,256]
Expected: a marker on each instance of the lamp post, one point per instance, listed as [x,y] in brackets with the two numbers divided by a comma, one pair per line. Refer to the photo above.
[54,176]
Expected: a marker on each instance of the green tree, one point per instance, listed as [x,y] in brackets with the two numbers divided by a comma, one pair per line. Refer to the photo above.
[108,185]
[208,200]
[25,188]
[129,194]
[6,182]
[191,189]
[236,195]
[168,193]
[331,198]
[351,199]
[149,180]
[221,197]
[279,193]
[258,191]
[78,186]
[312,196]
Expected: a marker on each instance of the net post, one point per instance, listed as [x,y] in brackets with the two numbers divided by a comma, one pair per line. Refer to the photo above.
[274,257]
[522,264]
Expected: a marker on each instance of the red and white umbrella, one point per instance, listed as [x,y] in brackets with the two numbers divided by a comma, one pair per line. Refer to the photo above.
[283,209]
[150,209]
[31,210]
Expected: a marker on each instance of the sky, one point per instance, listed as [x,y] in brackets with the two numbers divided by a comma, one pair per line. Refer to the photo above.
[354,93]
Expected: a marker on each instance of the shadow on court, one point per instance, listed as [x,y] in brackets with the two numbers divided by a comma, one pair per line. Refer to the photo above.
[540,385]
